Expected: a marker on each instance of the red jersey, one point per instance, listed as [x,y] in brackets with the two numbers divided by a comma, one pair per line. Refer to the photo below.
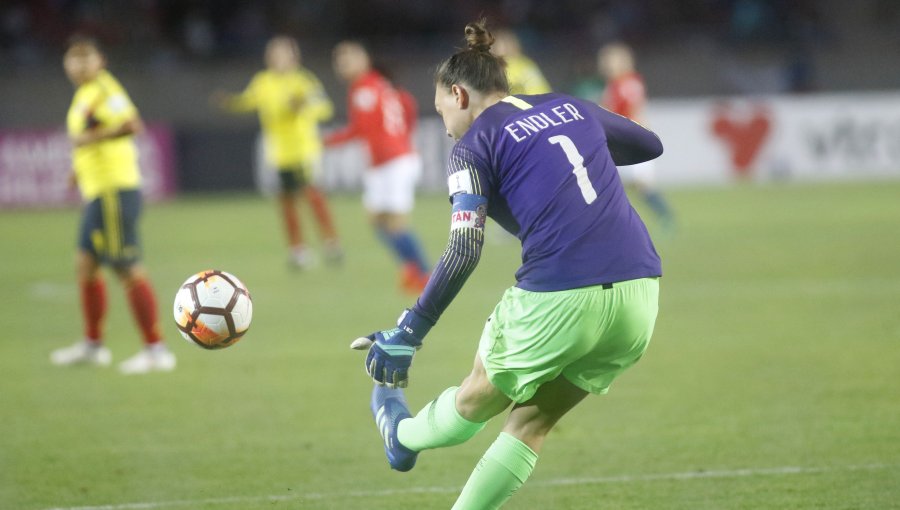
[625,95]
[410,108]
[378,115]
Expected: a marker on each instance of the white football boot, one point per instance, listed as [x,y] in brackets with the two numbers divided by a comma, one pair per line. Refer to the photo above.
[334,254]
[155,358]
[301,258]
[82,353]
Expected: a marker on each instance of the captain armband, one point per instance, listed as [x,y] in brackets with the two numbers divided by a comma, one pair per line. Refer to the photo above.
[469,211]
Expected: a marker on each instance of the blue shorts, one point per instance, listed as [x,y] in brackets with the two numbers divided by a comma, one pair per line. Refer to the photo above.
[109,227]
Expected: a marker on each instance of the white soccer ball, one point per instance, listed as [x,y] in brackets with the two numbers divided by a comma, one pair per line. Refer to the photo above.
[213,309]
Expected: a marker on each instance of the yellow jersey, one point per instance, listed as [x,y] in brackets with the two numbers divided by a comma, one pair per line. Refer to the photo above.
[107,165]
[525,77]
[290,105]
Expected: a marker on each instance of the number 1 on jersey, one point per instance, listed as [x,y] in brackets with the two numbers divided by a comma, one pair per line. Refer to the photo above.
[577,162]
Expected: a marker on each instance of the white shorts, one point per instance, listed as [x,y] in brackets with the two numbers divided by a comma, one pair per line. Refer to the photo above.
[641,173]
[391,187]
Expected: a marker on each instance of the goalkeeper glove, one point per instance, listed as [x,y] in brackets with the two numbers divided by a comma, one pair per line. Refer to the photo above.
[391,351]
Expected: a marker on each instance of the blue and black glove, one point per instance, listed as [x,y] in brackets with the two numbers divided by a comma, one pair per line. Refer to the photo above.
[391,351]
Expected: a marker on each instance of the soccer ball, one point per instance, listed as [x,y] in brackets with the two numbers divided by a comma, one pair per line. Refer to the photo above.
[213,309]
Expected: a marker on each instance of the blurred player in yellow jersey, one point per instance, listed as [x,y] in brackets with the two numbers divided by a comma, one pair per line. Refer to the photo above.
[102,122]
[523,74]
[291,103]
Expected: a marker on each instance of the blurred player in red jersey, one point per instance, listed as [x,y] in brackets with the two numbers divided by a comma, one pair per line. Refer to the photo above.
[626,95]
[383,118]
[407,100]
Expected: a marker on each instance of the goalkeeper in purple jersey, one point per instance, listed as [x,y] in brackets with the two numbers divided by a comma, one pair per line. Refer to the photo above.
[586,298]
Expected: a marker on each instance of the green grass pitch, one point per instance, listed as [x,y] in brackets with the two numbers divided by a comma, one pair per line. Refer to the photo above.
[773,379]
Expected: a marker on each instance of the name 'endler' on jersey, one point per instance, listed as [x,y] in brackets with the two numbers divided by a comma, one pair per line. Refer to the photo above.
[546,165]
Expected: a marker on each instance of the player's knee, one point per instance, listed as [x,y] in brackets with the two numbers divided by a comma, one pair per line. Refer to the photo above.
[478,401]
[531,431]
[86,267]
[473,409]
[377,220]
[129,274]
[395,222]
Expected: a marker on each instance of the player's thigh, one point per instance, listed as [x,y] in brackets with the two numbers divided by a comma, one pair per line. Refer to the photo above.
[87,265]
[478,400]
[552,400]
[628,317]
[530,421]
[91,236]
[121,226]
[532,336]
[129,274]
[395,222]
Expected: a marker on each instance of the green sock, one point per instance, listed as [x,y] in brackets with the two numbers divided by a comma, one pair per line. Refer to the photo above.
[499,474]
[438,424]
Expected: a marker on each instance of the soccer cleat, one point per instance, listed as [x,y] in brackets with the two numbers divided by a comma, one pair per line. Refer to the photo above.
[155,358]
[388,408]
[82,353]
[422,282]
[412,279]
[334,253]
[301,258]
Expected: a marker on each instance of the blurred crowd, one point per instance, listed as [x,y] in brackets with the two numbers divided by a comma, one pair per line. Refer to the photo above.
[206,28]
[176,33]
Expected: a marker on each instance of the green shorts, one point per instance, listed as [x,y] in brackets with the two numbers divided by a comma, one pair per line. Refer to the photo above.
[589,335]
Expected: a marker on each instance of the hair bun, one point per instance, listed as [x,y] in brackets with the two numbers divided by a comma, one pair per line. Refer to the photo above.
[477,36]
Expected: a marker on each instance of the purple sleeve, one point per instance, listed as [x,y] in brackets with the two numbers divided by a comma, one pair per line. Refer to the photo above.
[467,182]
[458,260]
[629,143]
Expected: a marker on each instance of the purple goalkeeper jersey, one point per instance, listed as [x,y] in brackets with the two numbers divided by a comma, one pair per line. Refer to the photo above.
[546,166]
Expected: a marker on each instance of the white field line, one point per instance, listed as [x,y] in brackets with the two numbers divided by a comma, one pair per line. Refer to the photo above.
[557,482]
[51,291]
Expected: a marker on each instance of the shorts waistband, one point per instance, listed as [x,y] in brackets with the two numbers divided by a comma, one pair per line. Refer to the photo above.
[591,287]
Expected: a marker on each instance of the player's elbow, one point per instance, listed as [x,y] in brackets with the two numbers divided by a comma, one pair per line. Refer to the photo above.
[655,147]
[647,148]
[134,126]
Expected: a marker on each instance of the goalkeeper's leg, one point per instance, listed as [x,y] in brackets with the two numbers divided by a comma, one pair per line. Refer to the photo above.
[456,415]
[510,459]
